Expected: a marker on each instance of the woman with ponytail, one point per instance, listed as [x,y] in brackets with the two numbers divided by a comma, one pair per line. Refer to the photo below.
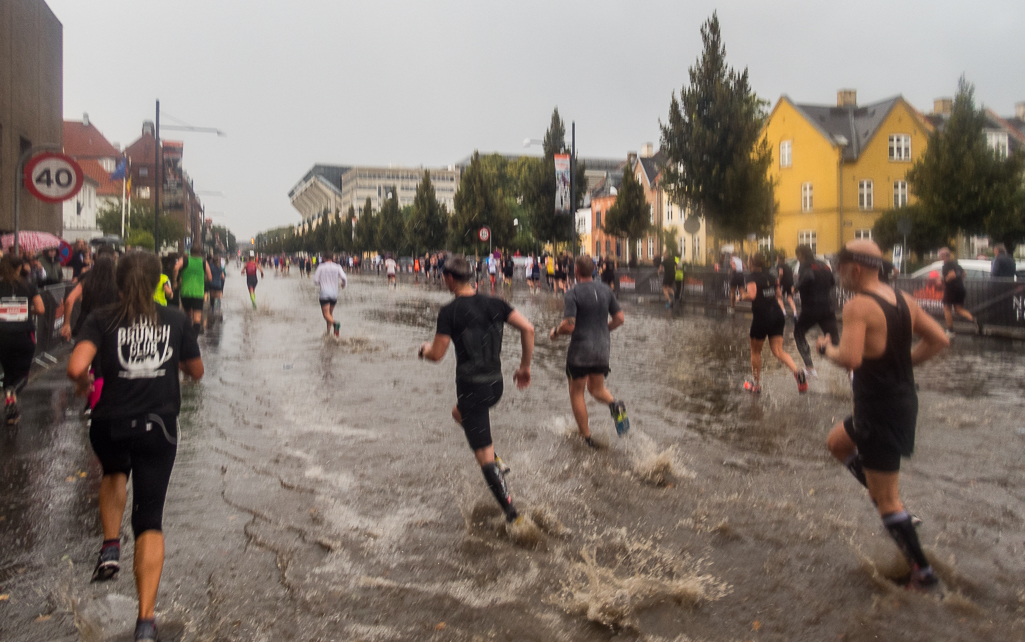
[141,346]
[19,301]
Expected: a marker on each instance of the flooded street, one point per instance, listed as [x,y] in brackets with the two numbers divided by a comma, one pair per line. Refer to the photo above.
[322,492]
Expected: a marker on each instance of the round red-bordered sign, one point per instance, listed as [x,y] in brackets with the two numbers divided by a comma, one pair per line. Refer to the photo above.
[484,234]
[53,177]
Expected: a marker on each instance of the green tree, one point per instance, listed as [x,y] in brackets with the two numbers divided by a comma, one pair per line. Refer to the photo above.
[479,202]
[925,231]
[366,228]
[391,230]
[716,158]
[140,217]
[427,227]
[962,184]
[630,215]
[537,187]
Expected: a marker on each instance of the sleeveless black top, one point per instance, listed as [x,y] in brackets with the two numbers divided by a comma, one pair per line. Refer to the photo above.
[885,399]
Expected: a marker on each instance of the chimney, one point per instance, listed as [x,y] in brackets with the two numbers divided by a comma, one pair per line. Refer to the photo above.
[847,98]
[647,150]
[942,106]
[1019,111]
[85,119]
[147,128]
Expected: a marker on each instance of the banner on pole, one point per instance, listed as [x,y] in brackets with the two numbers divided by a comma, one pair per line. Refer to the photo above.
[562,168]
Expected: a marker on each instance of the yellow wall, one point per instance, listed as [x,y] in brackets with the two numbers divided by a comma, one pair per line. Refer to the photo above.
[815,159]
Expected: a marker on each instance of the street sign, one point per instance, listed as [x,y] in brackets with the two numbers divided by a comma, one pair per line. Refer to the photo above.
[484,234]
[53,177]
[691,225]
[904,225]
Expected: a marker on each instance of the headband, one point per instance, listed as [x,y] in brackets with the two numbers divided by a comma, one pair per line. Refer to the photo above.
[846,256]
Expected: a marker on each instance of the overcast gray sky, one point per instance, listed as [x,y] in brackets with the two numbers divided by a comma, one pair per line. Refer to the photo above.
[416,82]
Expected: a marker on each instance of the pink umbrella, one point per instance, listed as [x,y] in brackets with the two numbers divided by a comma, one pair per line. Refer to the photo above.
[31,241]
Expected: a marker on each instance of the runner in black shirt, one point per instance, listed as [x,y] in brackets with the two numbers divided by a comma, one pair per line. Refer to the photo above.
[767,320]
[19,302]
[876,345]
[954,292]
[134,431]
[785,276]
[473,322]
[815,285]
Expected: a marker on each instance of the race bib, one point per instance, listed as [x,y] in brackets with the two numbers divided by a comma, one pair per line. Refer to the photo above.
[13,309]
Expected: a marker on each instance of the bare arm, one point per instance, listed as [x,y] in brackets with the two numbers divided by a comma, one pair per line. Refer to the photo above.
[435,351]
[852,343]
[37,305]
[209,276]
[933,338]
[518,321]
[566,326]
[69,305]
[750,292]
[192,367]
[78,367]
[177,266]
[617,320]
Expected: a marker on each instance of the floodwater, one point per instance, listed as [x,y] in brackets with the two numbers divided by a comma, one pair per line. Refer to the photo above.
[322,492]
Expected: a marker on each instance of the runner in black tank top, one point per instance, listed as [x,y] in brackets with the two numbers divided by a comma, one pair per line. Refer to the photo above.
[880,322]
[768,320]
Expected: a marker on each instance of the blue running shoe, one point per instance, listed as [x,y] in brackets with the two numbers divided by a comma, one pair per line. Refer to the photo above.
[618,410]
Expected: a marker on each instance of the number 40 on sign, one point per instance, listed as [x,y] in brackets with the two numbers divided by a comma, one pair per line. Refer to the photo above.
[53,177]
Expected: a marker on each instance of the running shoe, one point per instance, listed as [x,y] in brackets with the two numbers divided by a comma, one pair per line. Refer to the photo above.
[510,513]
[802,381]
[752,387]
[12,413]
[618,410]
[338,327]
[505,470]
[145,631]
[812,372]
[923,580]
[590,442]
[108,564]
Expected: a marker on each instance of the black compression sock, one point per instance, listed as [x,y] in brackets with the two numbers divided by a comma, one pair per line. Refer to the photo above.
[107,543]
[853,464]
[904,534]
[496,482]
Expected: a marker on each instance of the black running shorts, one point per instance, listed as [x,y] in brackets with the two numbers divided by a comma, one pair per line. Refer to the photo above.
[251,282]
[189,303]
[474,402]
[324,302]
[737,280]
[771,325]
[954,294]
[148,457]
[579,372]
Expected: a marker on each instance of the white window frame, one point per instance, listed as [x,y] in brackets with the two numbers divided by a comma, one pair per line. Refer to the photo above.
[695,248]
[640,249]
[997,141]
[900,147]
[809,238]
[864,233]
[786,153]
[865,195]
[900,194]
[765,244]
[651,247]
[807,197]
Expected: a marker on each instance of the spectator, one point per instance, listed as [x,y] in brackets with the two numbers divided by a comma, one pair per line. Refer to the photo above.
[51,266]
[81,259]
[1003,263]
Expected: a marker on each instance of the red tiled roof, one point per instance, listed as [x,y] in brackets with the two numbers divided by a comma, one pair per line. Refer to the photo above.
[85,141]
[95,171]
[141,151]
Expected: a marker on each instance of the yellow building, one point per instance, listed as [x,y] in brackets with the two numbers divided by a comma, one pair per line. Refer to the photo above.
[836,169]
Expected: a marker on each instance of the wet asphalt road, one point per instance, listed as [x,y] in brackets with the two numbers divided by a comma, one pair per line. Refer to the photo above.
[322,492]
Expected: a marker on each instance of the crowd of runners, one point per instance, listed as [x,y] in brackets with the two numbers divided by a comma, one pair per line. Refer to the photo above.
[139,320]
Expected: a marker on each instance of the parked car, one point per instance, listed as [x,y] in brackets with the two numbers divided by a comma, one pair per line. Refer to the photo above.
[973,269]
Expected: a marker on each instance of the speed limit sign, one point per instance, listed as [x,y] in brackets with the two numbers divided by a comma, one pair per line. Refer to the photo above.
[53,177]
[484,234]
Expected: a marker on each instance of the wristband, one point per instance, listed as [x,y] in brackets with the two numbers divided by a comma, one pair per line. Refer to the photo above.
[822,350]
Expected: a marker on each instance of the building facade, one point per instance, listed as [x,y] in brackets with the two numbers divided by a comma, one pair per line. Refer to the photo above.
[98,158]
[334,188]
[836,169]
[31,105]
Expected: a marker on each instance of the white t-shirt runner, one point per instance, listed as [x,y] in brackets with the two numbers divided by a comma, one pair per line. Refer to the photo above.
[328,275]
[389,267]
